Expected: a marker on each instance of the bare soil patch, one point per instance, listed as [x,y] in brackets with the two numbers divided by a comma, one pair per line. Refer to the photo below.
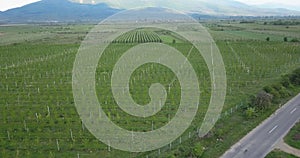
[297,137]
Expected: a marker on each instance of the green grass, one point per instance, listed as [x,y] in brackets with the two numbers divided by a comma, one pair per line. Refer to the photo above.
[37,74]
[279,154]
[50,34]
[293,137]
[252,31]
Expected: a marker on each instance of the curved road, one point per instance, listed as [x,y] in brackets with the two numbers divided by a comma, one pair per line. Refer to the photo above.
[262,140]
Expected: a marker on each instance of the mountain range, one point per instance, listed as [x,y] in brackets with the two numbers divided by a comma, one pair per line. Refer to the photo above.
[57,10]
[84,10]
[208,7]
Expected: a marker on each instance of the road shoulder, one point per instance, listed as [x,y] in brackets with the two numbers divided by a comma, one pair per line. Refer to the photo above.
[281,145]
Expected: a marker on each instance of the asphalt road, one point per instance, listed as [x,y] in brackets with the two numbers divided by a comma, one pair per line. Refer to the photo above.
[262,140]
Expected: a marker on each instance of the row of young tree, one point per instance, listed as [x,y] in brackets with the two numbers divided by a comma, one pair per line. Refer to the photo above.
[138,36]
[283,22]
[285,39]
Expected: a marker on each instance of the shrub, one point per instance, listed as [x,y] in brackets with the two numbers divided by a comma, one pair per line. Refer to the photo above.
[271,90]
[294,40]
[219,133]
[277,86]
[250,112]
[185,150]
[171,156]
[262,100]
[286,81]
[295,77]
[198,150]
[268,89]
[284,93]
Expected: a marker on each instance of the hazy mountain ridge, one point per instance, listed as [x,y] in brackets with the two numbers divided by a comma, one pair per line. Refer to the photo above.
[57,10]
[67,11]
[273,5]
[208,7]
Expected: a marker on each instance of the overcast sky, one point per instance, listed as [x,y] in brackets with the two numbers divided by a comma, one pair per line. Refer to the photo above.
[8,4]
[285,2]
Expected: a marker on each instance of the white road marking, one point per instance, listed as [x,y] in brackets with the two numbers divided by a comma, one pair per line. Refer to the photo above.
[293,111]
[273,129]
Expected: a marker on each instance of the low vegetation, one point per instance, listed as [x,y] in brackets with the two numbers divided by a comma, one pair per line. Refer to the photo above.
[285,22]
[273,95]
[293,137]
[280,154]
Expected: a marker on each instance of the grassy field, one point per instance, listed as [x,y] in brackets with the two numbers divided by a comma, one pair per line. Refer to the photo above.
[293,137]
[279,154]
[37,113]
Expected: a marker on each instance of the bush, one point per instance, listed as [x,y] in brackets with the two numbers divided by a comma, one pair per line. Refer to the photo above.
[273,94]
[185,150]
[268,89]
[284,93]
[294,40]
[276,95]
[277,86]
[286,81]
[250,112]
[219,133]
[171,156]
[279,90]
[198,150]
[262,100]
[268,39]
[295,77]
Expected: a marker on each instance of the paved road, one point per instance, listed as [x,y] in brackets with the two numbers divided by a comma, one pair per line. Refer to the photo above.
[262,140]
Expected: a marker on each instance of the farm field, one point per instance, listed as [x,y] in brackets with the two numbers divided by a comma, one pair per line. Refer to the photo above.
[38,117]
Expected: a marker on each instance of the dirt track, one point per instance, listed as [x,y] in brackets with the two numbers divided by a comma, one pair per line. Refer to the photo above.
[288,149]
